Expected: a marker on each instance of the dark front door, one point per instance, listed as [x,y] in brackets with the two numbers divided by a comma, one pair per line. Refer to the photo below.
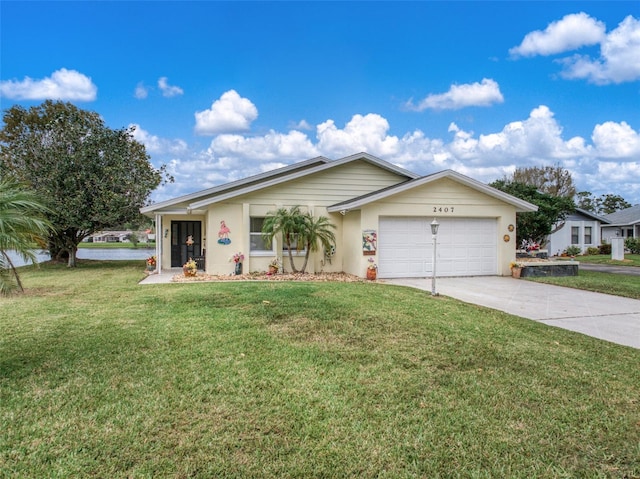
[186,241]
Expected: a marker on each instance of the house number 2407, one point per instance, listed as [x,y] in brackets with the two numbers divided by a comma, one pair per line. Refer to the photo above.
[443,209]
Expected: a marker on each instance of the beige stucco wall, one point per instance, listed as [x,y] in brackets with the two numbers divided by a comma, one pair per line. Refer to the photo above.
[315,192]
[312,193]
[431,201]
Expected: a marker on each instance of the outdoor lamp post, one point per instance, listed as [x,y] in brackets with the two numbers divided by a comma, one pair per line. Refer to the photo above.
[434,235]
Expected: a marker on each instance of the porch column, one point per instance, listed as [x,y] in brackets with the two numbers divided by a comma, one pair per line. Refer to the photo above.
[159,238]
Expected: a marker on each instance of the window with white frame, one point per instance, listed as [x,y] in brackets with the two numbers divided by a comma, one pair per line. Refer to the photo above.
[575,235]
[587,235]
[256,239]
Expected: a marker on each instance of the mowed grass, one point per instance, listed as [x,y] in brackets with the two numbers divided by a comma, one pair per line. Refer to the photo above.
[629,259]
[619,285]
[102,377]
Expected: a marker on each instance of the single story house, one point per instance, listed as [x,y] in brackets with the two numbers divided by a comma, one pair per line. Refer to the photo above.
[622,224]
[581,229]
[108,237]
[380,211]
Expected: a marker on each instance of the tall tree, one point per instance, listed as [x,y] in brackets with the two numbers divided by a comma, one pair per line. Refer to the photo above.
[22,226]
[602,205]
[553,180]
[539,224]
[612,203]
[89,176]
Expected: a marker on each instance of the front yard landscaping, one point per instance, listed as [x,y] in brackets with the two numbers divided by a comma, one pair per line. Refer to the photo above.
[100,377]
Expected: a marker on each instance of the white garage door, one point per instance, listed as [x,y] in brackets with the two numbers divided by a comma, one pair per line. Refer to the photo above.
[465,247]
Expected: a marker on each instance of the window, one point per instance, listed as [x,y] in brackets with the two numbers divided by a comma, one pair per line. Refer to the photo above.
[575,235]
[587,235]
[255,235]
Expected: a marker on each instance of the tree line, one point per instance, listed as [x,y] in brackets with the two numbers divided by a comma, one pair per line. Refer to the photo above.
[552,189]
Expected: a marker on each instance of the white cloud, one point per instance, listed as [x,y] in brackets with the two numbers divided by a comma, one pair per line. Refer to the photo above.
[485,93]
[572,32]
[230,113]
[156,145]
[597,164]
[268,148]
[168,90]
[301,125]
[363,133]
[141,91]
[619,57]
[68,85]
[616,140]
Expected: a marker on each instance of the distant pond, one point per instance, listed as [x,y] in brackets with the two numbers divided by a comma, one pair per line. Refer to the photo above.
[97,253]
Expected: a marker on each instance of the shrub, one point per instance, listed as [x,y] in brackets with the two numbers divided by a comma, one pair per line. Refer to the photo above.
[605,248]
[573,250]
[593,250]
[633,245]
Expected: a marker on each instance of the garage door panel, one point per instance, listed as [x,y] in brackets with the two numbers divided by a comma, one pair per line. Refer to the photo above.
[466,247]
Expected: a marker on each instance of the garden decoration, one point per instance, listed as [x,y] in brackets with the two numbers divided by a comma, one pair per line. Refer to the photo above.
[274,266]
[223,234]
[237,259]
[151,263]
[372,269]
[369,242]
[189,240]
[190,268]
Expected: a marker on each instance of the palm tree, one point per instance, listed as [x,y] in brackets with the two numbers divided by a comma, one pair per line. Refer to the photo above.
[317,231]
[286,222]
[22,226]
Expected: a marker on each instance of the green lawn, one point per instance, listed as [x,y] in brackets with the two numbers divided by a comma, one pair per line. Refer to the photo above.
[101,377]
[608,283]
[629,259]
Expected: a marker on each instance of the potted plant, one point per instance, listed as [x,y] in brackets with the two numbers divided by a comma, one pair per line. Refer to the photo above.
[516,269]
[190,268]
[151,263]
[237,259]
[372,269]
[274,266]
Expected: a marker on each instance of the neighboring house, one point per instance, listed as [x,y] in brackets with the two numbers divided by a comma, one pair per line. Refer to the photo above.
[380,211]
[581,229]
[622,224]
[109,236]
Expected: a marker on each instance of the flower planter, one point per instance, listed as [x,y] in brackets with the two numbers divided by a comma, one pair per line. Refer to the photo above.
[188,272]
[371,274]
[238,269]
[273,270]
[516,272]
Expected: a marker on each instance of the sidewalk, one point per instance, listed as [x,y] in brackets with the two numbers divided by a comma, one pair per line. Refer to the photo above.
[602,316]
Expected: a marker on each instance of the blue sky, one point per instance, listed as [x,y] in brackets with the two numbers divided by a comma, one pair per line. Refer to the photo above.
[221,90]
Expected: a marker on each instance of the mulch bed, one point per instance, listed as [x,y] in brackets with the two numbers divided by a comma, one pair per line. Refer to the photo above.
[336,277]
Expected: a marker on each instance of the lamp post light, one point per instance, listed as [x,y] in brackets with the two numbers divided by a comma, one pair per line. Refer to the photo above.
[434,235]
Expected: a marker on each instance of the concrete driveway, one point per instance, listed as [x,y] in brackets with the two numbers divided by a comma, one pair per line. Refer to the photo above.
[602,316]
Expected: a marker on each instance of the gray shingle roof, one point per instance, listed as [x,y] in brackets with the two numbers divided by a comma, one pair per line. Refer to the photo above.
[627,216]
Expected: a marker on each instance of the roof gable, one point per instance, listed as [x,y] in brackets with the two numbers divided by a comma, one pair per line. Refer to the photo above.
[590,215]
[243,183]
[263,180]
[356,203]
